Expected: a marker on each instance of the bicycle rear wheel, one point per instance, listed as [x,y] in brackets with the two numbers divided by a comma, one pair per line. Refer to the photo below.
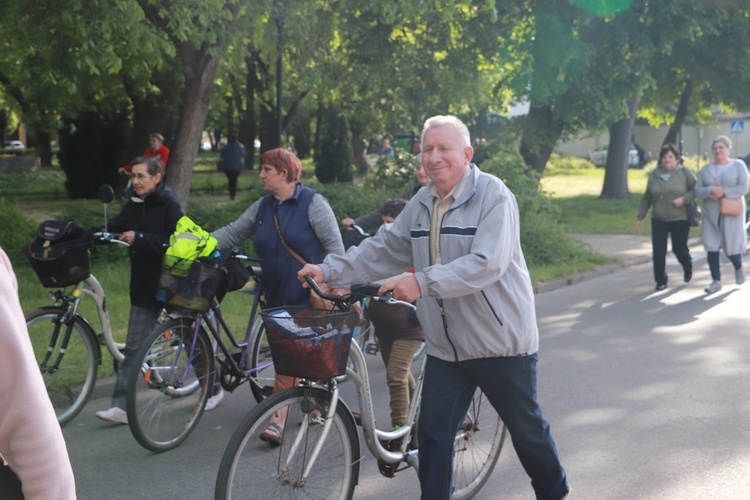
[68,356]
[166,396]
[264,374]
[252,467]
[477,447]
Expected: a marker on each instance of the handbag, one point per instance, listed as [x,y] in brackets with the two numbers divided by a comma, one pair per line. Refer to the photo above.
[693,214]
[693,211]
[316,301]
[730,206]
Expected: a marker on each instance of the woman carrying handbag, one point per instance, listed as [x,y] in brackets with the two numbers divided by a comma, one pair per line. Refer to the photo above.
[723,185]
[669,194]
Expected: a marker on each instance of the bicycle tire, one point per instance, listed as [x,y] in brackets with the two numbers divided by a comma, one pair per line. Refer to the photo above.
[263,379]
[476,452]
[251,466]
[167,394]
[70,385]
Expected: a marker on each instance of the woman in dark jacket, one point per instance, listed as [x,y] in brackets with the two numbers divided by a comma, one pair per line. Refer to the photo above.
[146,222]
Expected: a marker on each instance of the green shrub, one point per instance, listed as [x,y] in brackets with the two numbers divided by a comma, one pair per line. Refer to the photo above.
[391,173]
[15,232]
[92,146]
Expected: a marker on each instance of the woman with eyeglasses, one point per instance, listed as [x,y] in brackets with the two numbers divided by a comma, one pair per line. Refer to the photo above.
[146,222]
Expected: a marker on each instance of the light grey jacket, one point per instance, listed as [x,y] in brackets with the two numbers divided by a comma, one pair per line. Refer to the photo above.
[483,283]
[730,233]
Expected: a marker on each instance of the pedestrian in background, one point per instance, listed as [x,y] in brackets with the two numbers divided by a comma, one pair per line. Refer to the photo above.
[720,183]
[670,188]
[474,300]
[32,448]
[232,162]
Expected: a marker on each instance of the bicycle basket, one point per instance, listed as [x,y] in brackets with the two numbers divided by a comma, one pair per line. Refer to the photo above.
[61,264]
[309,343]
[193,290]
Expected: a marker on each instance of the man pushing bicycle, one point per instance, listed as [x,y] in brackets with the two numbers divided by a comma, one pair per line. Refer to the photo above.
[475,301]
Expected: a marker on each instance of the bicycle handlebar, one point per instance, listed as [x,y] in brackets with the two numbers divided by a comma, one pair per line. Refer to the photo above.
[359,230]
[358,291]
[107,237]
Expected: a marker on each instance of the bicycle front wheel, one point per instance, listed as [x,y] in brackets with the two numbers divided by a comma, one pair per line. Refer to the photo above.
[166,396]
[68,357]
[255,468]
[263,374]
[477,447]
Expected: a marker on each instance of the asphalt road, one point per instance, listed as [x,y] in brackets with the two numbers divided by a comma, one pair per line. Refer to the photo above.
[646,393]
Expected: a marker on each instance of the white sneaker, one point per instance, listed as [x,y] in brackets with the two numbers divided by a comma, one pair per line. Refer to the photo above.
[115,415]
[714,287]
[214,401]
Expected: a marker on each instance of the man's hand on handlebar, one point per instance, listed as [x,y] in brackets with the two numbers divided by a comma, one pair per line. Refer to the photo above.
[312,270]
[405,289]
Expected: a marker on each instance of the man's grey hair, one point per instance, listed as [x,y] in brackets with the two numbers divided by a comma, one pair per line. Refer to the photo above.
[442,120]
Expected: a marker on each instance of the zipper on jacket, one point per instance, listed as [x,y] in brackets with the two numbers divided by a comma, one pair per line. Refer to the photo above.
[492,309]
[445,327]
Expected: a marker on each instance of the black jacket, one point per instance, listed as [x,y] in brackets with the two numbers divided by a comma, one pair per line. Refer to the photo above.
[154,221]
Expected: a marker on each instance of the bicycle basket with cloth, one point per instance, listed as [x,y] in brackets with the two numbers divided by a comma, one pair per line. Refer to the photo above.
[59,254]
[309,343]
[190,277]
[193,287]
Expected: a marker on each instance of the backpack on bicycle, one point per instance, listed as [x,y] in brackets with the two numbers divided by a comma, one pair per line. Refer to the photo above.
[59,254]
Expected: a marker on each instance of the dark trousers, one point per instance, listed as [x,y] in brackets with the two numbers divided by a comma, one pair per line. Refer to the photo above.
[140,324]
[660,231]
[714,264]
[232,178]
[510,385]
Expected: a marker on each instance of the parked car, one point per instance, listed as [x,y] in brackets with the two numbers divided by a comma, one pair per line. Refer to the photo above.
[599,157]
[14,145]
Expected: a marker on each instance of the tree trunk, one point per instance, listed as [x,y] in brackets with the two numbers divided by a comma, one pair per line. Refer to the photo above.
[43,145]
[679,117]
[541,132]
[616,170]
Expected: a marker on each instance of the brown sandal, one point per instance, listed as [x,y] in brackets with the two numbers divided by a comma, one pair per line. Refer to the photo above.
[273,434]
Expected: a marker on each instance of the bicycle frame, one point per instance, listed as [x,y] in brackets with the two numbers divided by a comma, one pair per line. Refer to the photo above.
[95,292]
[373,435]
[215,323]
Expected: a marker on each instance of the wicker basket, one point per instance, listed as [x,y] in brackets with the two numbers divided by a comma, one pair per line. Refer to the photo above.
[309,343]
[193,290]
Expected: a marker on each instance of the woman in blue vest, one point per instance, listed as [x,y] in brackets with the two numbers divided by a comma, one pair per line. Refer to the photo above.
[306,223]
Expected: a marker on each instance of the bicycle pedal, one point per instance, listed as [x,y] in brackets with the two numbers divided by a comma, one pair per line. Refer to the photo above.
[387,470]
[371,348]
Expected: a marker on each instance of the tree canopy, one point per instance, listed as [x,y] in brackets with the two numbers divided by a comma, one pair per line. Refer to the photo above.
[178,67]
